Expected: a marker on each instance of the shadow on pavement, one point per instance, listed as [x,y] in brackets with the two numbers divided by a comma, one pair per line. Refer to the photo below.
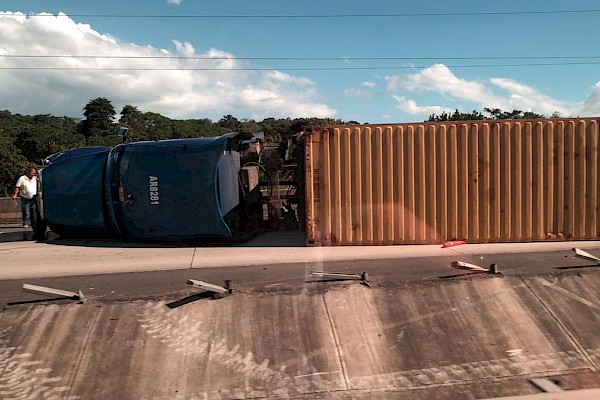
[21,235]
[579,267]
[190,299]
[279,238]
[460,275]
[55,300]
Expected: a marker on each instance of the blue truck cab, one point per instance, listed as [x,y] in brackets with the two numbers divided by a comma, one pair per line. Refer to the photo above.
[181,189]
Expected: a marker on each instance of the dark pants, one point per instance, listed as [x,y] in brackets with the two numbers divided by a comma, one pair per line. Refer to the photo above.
[26,210]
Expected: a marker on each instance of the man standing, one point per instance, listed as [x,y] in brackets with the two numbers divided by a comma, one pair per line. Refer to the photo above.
[26,187]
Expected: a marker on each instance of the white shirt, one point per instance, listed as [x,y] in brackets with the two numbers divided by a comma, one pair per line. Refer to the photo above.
[27,187]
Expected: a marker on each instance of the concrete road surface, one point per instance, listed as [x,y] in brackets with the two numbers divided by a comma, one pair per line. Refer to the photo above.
[417,329]
[24,258]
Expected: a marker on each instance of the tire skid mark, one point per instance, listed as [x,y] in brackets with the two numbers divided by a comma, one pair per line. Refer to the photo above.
[563,327]
[478,370]
[184,336]
[23,379]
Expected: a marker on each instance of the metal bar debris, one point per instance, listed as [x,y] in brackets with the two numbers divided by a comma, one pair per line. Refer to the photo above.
[493,269]
[218,291]
[53,292]
[339,275]
[467,266]
[546,385]
[321,276]
[586,256]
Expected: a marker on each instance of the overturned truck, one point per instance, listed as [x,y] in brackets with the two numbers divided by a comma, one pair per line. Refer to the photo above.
[183,189]
[430,182]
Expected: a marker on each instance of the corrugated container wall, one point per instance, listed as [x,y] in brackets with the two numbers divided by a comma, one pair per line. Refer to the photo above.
[480,181]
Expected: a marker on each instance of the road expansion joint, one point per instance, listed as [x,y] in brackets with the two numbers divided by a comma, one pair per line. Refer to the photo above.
[82,354]
[572,338]
[337,341]
[193,257]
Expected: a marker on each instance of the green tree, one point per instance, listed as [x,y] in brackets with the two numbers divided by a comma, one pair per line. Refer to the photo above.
[231,123]
[276,129]
[44,135]
[27,140]
[298,124]
[494,113]
[249,126]
[129,111]
[12,165]
[99,115]
[456,116]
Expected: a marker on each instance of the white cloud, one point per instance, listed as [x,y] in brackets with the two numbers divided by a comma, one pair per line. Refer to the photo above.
[359,94]
[438,78]
[184,87]
[176,2]
[286,78]
[515,95]
[591,105]
[411,107]
[526,98]
[369,84]
[186,49]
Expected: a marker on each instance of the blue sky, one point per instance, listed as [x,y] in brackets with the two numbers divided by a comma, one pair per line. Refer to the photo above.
[387,61]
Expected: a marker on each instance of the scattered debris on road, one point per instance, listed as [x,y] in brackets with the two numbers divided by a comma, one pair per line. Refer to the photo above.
[493,268]
[54,292]
[453,243]
[320,276]
[546,385]
[586,256]
[217,291]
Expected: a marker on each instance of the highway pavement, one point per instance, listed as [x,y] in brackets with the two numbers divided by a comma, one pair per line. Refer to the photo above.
[416,329]
[114,270]
[23,257]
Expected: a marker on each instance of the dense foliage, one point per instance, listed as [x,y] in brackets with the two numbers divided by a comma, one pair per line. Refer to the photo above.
[25,141]
[492,113]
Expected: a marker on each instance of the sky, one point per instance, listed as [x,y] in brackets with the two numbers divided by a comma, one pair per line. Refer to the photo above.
[379,61]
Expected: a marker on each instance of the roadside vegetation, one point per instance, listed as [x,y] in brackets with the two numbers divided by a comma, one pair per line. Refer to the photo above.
[26,141]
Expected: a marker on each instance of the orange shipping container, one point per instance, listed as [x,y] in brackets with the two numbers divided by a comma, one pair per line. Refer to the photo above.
[478,181]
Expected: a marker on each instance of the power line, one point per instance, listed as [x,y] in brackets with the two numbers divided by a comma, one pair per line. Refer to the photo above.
[300,69]
[295,58]
[330,16]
